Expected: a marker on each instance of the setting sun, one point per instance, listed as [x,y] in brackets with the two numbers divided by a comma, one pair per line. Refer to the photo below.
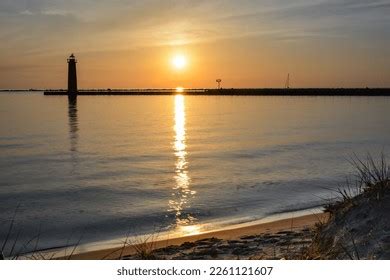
[179,89]
[179,61]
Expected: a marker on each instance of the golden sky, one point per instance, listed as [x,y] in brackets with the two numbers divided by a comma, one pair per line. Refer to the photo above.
[128,44]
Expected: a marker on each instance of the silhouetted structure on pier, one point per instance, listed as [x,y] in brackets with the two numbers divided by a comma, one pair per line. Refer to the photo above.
[218,83]
[72,77]
[287,85]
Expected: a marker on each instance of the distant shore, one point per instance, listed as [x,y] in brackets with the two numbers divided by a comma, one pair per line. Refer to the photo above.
[236,92]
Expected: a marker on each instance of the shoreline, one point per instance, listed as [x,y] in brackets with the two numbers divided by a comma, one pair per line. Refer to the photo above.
[287,224]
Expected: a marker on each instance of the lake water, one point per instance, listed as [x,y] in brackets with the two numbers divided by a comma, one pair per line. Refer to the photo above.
[109,166]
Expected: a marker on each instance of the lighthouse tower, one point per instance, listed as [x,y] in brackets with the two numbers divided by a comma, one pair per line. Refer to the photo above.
[72,77]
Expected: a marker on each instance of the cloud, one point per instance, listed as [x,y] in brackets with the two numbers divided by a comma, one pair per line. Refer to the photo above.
[55,12]
[163,22]
[26,12]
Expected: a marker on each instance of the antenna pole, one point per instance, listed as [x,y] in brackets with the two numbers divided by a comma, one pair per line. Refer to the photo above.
[287,85]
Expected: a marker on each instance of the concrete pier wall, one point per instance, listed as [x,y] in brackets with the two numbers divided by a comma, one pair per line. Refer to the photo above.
[240,92]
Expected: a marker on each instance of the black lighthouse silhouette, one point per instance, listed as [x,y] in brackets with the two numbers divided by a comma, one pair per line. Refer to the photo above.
[72,77]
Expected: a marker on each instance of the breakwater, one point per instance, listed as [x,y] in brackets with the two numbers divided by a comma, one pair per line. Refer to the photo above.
[237,91]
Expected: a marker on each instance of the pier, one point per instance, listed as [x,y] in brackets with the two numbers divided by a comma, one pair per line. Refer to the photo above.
[72,92]
[235,92]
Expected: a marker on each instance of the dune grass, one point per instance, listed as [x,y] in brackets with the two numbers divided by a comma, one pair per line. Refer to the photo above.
[369,184]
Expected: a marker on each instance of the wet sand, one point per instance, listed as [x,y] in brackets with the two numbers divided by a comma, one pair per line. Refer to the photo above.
[278,231]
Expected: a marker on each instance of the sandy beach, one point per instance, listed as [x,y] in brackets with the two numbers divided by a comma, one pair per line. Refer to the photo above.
[276,230]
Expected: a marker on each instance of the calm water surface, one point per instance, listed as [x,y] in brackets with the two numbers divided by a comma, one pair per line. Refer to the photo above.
[109,166]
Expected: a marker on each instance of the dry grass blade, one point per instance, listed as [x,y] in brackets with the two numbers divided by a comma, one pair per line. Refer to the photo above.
[15,242]
[9,231]
[23,249]
[144,247]
[75,247]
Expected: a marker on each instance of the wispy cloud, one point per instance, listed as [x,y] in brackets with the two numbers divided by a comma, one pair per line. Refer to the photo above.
[26,12]
[166,22]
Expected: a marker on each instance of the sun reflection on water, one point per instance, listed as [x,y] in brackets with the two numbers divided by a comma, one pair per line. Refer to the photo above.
[189,230]
[181,191]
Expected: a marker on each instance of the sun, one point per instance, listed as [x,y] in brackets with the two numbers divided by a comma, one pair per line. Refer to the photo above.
[179,89]
[179,61]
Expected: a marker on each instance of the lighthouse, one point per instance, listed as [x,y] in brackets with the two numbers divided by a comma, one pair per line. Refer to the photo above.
[72,77]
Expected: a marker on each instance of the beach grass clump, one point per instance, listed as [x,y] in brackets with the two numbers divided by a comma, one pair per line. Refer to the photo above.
[373,175]
[144,251]
[371,179]
[144,247]
[135,248]
[358,223]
